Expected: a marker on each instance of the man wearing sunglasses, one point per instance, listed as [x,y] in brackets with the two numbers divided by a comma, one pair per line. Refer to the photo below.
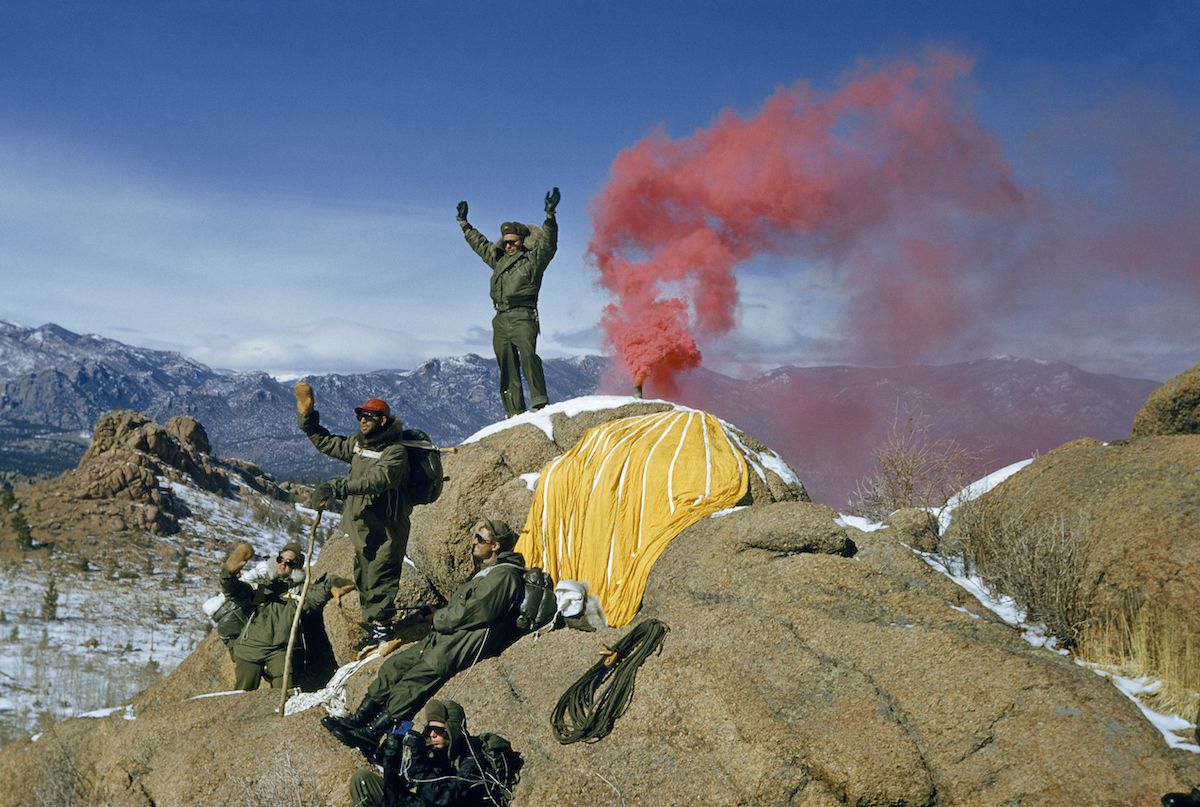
[260,651]
[376,511]
[445,765]
[518,261]
[478,622]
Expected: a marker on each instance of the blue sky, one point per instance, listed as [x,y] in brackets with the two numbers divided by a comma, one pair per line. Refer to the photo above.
[272,185]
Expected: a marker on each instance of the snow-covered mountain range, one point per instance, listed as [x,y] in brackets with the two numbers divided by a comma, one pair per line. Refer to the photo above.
[55,384]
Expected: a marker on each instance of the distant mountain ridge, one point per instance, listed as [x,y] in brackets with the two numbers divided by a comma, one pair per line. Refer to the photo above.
[55,385]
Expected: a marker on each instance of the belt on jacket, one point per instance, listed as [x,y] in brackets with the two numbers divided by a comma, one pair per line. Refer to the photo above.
[502,307]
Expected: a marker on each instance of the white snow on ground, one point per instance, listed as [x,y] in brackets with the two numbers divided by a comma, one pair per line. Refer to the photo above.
[594,403]
[143,627]
[541,418]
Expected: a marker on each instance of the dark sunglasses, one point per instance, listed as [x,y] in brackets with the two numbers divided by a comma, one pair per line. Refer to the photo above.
[291,564]
[368,416]
[479,539]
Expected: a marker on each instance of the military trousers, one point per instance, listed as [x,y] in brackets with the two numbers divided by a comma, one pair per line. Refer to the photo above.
[378,558]
[366,788]
[514,338]
[246,674]
[404,683]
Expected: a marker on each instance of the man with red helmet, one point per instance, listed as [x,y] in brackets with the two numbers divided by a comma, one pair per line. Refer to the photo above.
[376,510]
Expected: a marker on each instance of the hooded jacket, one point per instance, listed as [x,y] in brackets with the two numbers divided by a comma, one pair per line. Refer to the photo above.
[480,619]
[517,279]
[453,778]
[374,495]
[270,623]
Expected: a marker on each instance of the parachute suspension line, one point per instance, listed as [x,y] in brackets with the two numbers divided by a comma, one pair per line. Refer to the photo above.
[581,713]
[487,632]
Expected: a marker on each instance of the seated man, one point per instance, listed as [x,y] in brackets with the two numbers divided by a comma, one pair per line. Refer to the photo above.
[443,767]
[261,649]
[478,622]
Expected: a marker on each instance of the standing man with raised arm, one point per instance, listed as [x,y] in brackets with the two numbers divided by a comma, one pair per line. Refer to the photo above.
[377,509]
[518,261]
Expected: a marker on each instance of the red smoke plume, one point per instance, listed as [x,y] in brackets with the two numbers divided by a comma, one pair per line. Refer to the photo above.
[889,179]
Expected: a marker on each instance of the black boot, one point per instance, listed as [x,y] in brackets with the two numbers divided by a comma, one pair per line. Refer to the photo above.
[1182,799]
[367,710]
[365,739]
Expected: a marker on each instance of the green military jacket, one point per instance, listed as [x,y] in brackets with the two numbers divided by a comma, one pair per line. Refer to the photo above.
[270,624]
[374,498]
[480,618]
[516,279]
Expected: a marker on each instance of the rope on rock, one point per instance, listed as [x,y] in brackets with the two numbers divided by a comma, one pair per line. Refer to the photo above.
[581,713]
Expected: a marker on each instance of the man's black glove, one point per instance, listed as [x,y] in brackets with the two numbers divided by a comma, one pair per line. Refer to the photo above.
[552,201]
[390,756]
[462,210]
[414,740]
[327,490]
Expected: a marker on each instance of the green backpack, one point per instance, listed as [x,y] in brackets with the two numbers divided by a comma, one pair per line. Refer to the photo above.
[424,467]
[502,768]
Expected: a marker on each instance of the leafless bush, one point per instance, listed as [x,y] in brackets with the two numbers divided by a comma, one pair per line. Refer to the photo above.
[284,783]
[63,782]
[1041,564]
[914,469]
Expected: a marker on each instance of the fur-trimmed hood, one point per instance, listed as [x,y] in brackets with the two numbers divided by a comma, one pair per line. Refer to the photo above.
[535,232]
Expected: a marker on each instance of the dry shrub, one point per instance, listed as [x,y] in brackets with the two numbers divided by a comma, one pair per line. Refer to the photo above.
[1140,640]
[1041,564]
[285,782]
[914,469]
[63,782]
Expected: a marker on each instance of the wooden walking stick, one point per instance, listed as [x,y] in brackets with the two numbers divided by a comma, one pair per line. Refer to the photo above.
[287,662]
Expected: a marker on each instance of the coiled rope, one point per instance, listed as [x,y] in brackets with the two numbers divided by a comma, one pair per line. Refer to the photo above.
[589,708]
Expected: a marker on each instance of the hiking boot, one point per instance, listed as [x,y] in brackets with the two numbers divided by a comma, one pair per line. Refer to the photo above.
[368,710]
[1182,799]
[365,739]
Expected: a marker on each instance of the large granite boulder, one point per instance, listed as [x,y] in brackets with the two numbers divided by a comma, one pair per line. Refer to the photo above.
[1173,408]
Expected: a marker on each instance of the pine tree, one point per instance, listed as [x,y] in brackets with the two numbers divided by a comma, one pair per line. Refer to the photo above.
[21,526]
[50,602]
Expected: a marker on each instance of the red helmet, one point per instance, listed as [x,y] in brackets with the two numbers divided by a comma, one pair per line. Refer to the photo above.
[374,406]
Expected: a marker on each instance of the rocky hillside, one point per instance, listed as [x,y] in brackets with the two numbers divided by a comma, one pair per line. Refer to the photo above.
[807,662]
[103,569]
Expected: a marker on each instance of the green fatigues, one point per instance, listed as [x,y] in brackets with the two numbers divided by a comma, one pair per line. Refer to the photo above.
[479,621]
[376,511]
[516,281]
[260,651]
[366,788]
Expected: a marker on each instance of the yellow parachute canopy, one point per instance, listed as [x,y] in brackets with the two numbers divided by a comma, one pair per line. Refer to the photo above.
[604,511]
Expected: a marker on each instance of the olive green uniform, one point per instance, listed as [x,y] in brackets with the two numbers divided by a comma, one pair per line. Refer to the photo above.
[376,510]
[479,621]
[260,651]
[516,281]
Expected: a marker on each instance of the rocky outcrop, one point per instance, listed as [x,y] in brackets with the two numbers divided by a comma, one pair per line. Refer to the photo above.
[1173,408]
[495,476]
[119,495]
[806,663]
